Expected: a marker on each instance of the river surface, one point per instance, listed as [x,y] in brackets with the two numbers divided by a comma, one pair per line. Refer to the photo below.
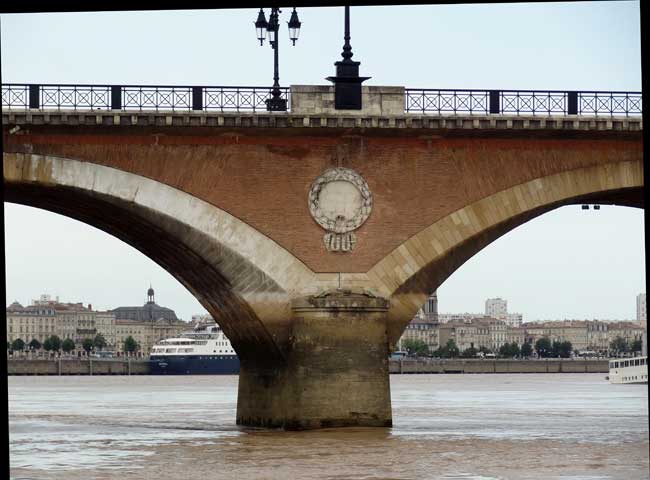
[469,427]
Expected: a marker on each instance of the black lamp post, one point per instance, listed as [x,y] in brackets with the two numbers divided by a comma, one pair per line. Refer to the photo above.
[272,27]
[347,83]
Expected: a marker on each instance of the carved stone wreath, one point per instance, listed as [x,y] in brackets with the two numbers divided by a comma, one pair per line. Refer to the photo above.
[340,202]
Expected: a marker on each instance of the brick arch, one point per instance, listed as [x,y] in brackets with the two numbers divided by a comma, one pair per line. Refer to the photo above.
[240,276]
[419,265]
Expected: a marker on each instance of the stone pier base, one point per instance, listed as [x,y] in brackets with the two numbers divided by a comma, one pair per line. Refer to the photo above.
[336,369]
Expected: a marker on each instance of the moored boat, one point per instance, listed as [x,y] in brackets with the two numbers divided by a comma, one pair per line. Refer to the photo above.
[204,350]
[628,370]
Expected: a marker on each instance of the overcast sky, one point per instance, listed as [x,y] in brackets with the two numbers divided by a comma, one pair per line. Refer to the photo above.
[568,263]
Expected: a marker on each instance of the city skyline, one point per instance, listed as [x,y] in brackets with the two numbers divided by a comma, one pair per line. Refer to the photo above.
[568,263]
[47,297]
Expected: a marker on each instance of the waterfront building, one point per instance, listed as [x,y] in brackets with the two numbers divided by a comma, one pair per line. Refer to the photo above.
[430,309]
[31,322]
[492,333]
[630,331]
[516,335]
[485,331]
[597,336]
[146,333]
[147,324]
[46,317]
[497,331]
[463,334]
[423,329]
[68,320]
[459,317]
[467,330]
[105,324]
[584,335]
[574,331]
[45,299]
[514,319]
[496,307]
[641,310]
[148,312]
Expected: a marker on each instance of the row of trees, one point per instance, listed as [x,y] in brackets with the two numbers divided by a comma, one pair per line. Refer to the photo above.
[451,350]
[547,349]
[543,346]
[620,345]
[55,344]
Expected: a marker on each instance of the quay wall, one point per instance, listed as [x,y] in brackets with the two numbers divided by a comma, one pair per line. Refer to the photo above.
[65,366]
[498,366]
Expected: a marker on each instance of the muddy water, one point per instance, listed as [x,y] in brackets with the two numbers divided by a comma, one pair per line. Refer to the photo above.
[551,426]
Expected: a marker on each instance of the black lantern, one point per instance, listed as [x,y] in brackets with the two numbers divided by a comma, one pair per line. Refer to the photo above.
[294,26]
[261,25]
[276,103]
[272,27]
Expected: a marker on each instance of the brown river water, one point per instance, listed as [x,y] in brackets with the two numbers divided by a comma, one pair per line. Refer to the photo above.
[469,427]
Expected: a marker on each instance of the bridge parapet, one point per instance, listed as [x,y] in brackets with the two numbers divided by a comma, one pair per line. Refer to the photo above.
[319,99]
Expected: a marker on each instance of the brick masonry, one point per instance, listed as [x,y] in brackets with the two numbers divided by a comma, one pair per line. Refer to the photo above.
[262,175]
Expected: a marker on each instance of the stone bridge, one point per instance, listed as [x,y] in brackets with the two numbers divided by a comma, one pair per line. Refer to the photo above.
[313,236]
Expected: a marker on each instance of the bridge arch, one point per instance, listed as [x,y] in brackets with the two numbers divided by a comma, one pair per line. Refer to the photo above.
[418,266]
[243,278]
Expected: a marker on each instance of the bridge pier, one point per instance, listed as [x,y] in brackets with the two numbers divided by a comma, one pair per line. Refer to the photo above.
[335,373]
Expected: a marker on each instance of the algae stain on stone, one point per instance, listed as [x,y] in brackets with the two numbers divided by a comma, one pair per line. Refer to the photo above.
[13,166]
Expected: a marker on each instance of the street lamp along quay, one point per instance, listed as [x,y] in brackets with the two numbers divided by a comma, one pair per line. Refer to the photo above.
[272,28]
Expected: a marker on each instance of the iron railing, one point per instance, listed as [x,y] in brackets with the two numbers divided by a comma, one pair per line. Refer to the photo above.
[137,98]
[522,102]
[254,99]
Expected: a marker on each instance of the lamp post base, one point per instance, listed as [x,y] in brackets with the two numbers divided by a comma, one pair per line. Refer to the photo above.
[276,105]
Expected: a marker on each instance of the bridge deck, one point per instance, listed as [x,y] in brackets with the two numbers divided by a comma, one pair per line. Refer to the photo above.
[285,119]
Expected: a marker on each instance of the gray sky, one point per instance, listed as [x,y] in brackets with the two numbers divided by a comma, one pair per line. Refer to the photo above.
[568,263]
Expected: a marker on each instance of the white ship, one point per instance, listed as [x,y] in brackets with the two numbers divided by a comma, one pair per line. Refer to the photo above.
[204,350]
[628,370]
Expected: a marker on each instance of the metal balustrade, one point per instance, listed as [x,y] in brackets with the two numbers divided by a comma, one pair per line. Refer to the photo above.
[254,99]
[522,102]
[136,98]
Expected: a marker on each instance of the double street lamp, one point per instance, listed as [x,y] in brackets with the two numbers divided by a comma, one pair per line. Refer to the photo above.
[272,28]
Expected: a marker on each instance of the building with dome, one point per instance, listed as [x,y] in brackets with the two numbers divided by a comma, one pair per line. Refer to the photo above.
[45,317]
[150,311]
[147,324]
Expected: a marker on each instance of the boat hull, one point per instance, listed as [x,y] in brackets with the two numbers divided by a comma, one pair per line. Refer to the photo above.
[194,365]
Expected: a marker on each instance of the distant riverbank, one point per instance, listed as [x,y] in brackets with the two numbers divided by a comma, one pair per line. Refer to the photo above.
[140,366]
[547,365]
